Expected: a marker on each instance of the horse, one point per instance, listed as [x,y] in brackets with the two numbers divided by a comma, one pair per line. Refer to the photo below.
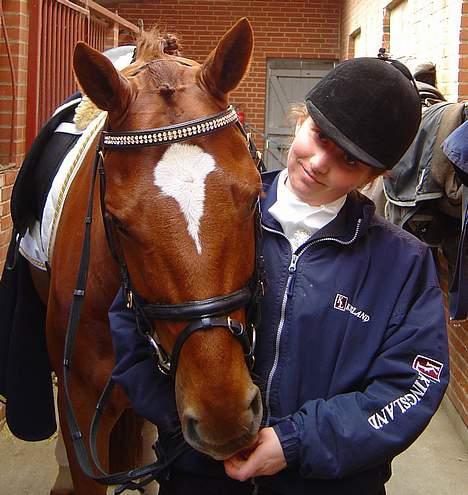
[179,209]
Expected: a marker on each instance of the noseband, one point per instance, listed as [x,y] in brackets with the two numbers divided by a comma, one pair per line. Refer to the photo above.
[202,314]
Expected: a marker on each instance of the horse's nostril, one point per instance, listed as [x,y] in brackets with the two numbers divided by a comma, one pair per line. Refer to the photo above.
[256,404]
[192,427]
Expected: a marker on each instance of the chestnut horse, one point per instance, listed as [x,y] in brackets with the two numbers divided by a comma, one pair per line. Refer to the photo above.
[182,215]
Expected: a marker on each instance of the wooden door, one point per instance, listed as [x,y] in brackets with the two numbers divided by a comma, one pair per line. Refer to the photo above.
[288,81]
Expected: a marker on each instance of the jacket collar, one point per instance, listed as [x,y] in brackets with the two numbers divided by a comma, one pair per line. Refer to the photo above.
[351,222]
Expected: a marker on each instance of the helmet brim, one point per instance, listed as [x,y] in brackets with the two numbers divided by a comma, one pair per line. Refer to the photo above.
[340,139]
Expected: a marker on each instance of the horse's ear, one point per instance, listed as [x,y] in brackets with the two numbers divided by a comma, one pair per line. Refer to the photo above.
[99,79]
[227,64]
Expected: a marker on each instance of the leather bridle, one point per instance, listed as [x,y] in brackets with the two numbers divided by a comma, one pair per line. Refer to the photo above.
[202,314]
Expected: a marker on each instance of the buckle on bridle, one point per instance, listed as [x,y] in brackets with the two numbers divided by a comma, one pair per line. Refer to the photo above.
[235,327]
[163,363]
[129,299]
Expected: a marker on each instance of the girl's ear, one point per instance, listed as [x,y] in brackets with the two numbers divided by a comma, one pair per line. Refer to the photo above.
[298,126]
[99,79]
[297,115]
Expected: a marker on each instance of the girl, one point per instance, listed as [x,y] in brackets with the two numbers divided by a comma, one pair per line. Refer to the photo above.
[352,350]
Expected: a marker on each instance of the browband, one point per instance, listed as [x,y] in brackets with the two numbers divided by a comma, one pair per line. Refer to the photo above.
[170,134]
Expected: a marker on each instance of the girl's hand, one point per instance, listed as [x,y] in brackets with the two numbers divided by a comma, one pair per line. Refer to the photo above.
[265,459]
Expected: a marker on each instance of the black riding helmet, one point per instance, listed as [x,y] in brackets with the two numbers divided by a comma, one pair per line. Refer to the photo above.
[369,107]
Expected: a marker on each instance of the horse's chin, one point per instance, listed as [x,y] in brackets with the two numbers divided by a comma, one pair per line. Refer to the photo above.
[225,451]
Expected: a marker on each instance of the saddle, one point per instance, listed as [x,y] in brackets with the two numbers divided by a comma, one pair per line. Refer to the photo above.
[424,192]
[41,164]
[428,94]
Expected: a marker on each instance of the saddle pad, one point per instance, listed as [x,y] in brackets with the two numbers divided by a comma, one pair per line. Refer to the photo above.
[40,166]
[38,242]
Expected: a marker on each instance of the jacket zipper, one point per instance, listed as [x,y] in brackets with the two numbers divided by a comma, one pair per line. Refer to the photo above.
[287,294]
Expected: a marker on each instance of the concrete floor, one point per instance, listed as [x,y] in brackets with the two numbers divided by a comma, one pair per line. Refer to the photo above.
[436,464]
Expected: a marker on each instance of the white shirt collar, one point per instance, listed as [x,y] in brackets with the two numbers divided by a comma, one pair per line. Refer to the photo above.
[300,220]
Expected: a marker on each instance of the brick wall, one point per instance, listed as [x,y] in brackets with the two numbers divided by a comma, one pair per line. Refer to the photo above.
[12,107]
[419,31]
[458,347]
[283,29]
[463,54]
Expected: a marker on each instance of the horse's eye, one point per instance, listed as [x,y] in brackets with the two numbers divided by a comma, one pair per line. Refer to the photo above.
[119,226]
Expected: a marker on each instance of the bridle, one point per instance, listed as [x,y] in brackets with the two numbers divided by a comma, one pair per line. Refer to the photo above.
[202,314]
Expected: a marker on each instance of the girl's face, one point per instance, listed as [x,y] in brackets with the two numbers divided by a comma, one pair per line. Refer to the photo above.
[319,172]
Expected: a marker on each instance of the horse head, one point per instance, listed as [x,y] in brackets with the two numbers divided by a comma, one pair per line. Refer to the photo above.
[182,215]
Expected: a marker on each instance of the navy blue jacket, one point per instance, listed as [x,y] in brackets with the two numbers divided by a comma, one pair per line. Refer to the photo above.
[351,356]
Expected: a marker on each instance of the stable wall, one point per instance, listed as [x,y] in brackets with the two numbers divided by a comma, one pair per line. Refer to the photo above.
[413,31]
[12,106]
[282,29]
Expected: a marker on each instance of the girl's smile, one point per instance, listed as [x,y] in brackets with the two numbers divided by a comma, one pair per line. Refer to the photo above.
[319,172]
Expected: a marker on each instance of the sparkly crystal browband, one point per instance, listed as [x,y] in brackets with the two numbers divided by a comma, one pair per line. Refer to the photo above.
[170,134]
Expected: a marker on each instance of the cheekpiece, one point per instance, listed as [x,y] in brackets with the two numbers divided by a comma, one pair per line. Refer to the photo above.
[170,134]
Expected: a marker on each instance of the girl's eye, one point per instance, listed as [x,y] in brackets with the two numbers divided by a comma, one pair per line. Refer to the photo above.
[350,159]
[322,136]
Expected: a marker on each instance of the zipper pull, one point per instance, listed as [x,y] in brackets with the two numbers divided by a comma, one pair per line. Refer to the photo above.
[292,275]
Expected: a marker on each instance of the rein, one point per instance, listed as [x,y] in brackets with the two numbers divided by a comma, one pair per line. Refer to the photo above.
[203,314]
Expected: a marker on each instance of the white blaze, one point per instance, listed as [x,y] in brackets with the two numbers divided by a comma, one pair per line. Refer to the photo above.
[181,174]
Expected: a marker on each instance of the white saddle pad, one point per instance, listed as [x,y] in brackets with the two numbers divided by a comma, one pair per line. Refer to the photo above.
[38,243]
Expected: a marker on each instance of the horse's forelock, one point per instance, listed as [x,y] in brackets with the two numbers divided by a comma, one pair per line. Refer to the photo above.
[152,45]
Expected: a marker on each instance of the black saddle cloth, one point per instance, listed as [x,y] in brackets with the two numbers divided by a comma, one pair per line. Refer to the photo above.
[40,166]
[25,372]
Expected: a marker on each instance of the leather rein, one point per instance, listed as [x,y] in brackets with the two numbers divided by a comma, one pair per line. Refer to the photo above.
[202,314]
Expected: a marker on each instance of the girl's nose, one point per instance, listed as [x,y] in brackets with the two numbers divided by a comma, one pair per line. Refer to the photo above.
[319,162]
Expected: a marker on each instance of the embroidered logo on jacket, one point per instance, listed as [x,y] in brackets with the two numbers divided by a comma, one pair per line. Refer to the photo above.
[400,405]
[428,367]
[342,304]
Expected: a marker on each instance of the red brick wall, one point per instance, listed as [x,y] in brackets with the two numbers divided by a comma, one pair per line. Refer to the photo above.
[463,64]
[458,331]
[12,107]
[282,28]
[458,347]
